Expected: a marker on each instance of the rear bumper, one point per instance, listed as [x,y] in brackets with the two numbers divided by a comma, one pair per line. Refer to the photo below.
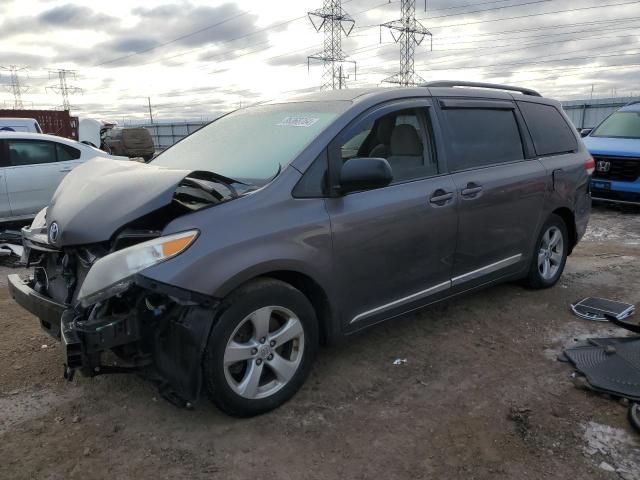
[48,311]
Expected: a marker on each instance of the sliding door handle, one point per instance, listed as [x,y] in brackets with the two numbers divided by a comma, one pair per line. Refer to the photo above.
[471,190]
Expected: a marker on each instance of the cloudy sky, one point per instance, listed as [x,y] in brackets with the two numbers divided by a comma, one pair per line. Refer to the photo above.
[198,58]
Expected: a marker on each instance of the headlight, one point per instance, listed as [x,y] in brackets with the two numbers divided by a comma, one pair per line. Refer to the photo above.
[40,220]
[113,273]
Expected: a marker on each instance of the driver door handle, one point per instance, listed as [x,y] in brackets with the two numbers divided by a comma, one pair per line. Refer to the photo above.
[440,197]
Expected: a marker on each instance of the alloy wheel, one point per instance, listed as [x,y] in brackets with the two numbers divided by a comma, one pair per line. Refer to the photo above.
[264,352]
[550,253]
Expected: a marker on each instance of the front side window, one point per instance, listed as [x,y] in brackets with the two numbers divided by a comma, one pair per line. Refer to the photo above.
[252,145]
[619,125]
[398,137]
[479,137]
[30,152]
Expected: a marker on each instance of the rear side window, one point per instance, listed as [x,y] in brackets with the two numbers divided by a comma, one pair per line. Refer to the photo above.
[480,137]
[66,153]
[550,132]
[29,152]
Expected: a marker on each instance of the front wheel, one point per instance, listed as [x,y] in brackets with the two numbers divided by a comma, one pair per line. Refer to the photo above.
[550,254]
[261,349]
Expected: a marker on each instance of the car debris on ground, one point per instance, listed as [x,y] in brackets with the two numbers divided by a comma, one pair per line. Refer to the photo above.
[10,247]
[609,365]
[597,309]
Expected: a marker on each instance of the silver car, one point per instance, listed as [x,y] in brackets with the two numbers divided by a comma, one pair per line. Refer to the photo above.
[32,165]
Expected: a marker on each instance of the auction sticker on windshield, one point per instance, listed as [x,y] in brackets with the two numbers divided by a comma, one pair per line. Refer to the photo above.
[297,122]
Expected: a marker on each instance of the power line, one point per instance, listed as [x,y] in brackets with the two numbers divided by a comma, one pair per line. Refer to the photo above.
[182,37]
[523,46]
[548,27]
[570,10]
[468,13]
[535,62]
[469,5]
[528,37]
[240,37]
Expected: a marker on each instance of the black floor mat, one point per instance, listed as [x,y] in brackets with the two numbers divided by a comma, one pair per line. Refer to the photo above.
[611,365]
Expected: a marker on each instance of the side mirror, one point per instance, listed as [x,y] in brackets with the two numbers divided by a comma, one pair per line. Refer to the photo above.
[365,174]
[585,131]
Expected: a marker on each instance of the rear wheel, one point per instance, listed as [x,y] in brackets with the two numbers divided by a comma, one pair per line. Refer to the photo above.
[550,254]
[261,349]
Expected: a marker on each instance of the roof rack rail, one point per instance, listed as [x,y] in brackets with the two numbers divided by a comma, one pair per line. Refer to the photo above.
[494,86]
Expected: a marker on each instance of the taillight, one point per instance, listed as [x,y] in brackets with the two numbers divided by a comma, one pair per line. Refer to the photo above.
[590,165]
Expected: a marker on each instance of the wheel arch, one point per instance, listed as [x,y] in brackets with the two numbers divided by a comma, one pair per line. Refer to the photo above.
[310,288]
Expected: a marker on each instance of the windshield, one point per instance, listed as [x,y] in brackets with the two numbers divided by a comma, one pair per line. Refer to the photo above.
[620,125]
[252,145]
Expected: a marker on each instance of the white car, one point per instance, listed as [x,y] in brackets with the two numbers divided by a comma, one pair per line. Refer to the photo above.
[32,165]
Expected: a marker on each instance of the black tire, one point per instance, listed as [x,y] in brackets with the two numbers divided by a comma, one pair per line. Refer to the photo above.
[535,278]
[235,309]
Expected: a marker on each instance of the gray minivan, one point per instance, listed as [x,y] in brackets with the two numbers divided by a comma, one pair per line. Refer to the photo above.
[225,262]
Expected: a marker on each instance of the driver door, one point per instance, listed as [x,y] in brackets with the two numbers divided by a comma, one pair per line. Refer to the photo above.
[392,246]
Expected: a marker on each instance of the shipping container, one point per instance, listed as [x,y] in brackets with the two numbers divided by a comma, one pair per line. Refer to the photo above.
[53,122]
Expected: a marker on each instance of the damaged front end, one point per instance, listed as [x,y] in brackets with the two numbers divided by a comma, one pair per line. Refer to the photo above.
[109,317]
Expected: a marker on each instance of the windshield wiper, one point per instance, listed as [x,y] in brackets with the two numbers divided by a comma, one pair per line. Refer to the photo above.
[213,177]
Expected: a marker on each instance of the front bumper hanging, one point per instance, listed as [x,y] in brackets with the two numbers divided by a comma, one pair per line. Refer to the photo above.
[164,342]
[48,311]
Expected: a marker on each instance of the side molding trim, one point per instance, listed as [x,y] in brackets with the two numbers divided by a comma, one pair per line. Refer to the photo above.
[401,301]
[506,262]
[441,287]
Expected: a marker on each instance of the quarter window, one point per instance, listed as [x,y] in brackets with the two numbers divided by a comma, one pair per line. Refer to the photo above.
[550,132]
[28,152]
[480,137]
[66,153]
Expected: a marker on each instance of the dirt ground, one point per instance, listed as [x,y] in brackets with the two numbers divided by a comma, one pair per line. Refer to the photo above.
[480,396]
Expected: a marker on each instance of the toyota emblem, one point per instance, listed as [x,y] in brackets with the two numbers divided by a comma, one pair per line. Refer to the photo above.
[54,232]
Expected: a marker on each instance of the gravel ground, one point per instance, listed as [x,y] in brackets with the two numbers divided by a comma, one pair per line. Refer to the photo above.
[481,396]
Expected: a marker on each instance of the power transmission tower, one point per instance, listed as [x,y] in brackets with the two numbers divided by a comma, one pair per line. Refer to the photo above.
[15,87]
[63,88]
[334,21]
[409,33]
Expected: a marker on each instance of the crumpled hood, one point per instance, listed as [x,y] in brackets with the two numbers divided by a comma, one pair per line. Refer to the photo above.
[621,147]
[101,195]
